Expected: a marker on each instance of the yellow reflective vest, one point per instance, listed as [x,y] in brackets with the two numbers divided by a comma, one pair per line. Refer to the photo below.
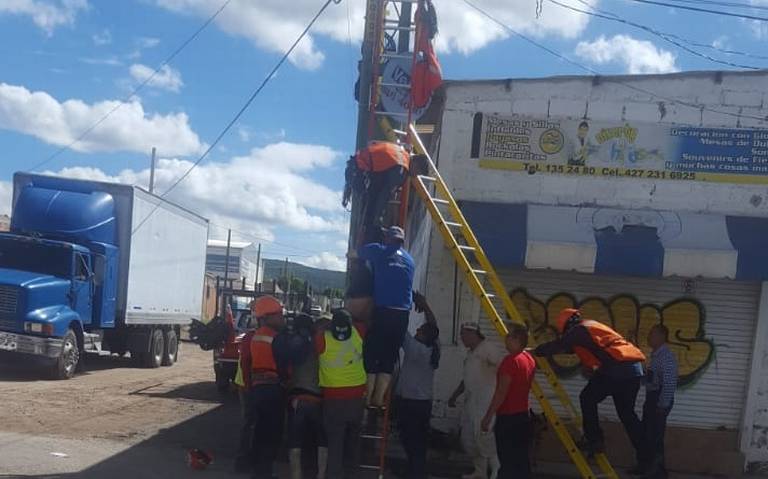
[341,364]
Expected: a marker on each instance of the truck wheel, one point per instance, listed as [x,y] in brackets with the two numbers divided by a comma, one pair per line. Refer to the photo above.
[171,352]
[154,358]
[66,364]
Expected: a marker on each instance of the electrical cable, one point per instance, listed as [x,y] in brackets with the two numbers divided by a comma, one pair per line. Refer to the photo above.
[608,79]
[748,6]
[663,36]
[703,10]
[242,110]
[136,90]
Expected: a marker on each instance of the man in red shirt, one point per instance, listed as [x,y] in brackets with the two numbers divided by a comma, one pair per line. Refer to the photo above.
[510,405]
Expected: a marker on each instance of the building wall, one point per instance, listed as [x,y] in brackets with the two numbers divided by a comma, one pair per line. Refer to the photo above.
[742,95]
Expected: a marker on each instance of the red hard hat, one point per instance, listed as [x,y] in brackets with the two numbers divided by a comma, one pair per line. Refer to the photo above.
[266,306]
[198,459]
[567,315]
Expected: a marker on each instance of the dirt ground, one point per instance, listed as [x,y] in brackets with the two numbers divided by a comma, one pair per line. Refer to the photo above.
[118,421]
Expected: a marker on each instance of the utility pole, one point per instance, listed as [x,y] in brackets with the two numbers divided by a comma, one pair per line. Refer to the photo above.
[152,171]
[287,282]
[365,68]
[226,259]
[257,286]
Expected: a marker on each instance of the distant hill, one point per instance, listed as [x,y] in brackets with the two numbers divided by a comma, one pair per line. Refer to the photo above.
[320,279]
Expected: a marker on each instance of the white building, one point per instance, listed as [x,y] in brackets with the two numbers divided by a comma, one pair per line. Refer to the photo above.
[5,223]
[639,199]
[244,262]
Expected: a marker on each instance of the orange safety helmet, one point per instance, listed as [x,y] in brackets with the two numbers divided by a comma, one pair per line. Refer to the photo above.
[566,318]
[266,306]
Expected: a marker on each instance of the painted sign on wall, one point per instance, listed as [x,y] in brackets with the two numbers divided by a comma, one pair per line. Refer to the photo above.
[627,150]
[683,317]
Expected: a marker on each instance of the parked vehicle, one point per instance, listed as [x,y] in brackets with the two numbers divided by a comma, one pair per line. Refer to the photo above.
[90,266]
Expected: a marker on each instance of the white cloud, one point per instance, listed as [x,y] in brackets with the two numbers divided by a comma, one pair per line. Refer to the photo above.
[102,38]
[721,42]
[47,15]
[326,260]
[6,190]
[129,128]
[270,187]
[274,24]
[166,78]
[107,61]
[141,44]
[637,56]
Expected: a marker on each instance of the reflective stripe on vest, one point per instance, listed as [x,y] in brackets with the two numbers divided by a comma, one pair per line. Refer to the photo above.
[341,364]
[611,342]
[261,350]
[382,155]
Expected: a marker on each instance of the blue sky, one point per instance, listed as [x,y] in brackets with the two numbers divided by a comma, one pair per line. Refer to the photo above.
[277,176]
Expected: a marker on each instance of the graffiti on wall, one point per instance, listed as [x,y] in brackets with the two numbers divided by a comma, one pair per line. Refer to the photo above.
[683,317]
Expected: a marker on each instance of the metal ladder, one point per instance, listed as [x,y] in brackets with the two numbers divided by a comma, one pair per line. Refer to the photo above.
[381,436]
[488,288]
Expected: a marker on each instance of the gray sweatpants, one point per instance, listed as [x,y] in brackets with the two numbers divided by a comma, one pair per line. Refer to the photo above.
[343,421]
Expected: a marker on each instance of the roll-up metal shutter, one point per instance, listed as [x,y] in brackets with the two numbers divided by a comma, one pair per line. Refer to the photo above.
[717,362]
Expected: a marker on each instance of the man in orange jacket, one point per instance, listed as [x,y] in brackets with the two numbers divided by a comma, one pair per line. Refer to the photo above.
[264,413]
[386,165]
[615,368]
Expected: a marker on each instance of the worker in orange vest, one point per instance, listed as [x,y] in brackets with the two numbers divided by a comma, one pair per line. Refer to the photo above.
[264,413]
[615,368]
[386,165]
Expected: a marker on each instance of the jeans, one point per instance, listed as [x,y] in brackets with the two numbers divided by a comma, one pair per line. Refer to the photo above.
[262,431]
[654,428]
[514,434]
[384,339]
[413,423]
[382,185]
[624,394]
[342,419]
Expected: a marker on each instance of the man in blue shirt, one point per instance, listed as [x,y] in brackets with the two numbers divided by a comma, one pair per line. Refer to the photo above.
[393,269]
[660,385]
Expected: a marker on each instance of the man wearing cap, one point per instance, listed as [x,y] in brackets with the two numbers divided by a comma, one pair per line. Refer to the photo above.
[477,386]
[615,368]
[263,429]
[339,346]
[393,271]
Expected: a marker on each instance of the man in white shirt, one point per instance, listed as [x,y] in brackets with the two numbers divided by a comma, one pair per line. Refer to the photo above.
[478,385]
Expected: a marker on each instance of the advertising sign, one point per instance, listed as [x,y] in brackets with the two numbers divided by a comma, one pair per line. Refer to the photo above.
[627,150]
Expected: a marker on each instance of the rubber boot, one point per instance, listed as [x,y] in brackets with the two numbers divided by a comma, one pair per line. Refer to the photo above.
[370,387]
[380,392]
[494,465]
[481,469]
[294,461]
[322,462]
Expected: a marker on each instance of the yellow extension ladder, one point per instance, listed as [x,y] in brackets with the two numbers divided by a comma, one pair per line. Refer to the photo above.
[471,259]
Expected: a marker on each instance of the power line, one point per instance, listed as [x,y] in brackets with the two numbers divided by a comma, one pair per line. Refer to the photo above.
[242,110]
[609,79]
[663,36]
[266,240]
[703,10]
[748,6]
[136,90]
[682,39]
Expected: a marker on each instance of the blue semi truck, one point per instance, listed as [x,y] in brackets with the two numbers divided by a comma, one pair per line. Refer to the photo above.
[97,267]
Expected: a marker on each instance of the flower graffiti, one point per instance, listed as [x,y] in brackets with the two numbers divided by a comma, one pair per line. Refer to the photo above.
[683,317]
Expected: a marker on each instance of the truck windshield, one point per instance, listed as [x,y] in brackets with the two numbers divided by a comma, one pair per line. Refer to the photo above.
[25,255]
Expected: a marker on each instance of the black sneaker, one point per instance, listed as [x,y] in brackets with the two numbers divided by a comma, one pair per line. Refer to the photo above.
[591,448]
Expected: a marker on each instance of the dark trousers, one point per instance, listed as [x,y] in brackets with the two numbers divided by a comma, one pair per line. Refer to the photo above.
[342,419]
[413,423]
[624,394]
[514,434]
[384,339]
[305,422]
[380,188]
[262,432]
[654,428]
